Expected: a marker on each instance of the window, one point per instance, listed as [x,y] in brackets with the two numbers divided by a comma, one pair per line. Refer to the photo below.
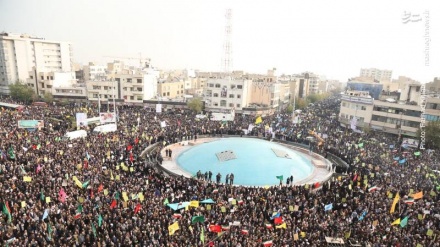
[32,77]
[363,108]
[178,92]
[164,94]
[168,94]
[215,104]
[95,95]
[222,102]
[231,104]
[42,77]
[125,89]
[129,80]
[139,89]
[105,88]
[139,97]
[238,96]
[215,94]
[217,85]
[238,105]
[181,86]
[240,86]
[231,96]
[131,97]
[181,91]
[232,86]
[51,77]
[211,85]
[344,104]
[139,80]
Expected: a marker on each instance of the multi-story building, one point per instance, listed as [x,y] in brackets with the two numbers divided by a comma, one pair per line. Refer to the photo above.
[61,85]
[133,87]
[21,54]
[226,94]
[171,89]
[377,74]
[93,72]
[398,113]
[434,86]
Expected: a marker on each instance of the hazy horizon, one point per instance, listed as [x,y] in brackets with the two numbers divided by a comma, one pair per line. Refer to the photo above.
[331,38]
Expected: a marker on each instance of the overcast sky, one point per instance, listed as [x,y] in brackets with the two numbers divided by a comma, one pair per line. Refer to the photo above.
[332,38]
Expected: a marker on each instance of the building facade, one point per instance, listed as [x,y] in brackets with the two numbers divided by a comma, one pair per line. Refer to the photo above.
[226,94]
[377,74]
[20,54]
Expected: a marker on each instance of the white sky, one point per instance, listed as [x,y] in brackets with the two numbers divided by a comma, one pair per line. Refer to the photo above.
[332,38]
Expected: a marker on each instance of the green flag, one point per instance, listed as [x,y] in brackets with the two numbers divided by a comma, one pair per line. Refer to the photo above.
[42,197]
[93,229]
[49,231]
[99,220]
[361,145]
[7,212]
[280,177]
[404,222]
[196,219]
[166,202]
[11,153]
[202,235]
[80,208]
[85,184]
[117,195]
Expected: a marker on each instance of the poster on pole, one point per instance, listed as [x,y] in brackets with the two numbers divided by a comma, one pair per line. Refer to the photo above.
[107,117]
[410,142]
[158,108]
[81,119]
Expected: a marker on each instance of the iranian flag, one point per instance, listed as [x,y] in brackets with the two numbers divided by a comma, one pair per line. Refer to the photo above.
[240,202]
[177,216]
[409,201]
[244,232]
[374,188]
[225,228]
[7,211]
[268,243]
[77,215]
[215,191]
[269,226]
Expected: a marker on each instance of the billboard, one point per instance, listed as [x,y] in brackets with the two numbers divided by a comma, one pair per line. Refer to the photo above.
[410,142]
[107,117]
[81,119]
[30,124]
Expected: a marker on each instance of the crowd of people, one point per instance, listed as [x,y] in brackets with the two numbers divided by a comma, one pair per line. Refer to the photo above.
[100,191]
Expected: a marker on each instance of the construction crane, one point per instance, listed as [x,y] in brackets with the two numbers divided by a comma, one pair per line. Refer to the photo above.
[314,134]
[147,60]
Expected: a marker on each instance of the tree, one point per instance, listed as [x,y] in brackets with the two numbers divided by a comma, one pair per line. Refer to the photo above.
[289,109]
[195,104]
[48,97]
[312,98]
[428,136]
[301,104]
[22,92]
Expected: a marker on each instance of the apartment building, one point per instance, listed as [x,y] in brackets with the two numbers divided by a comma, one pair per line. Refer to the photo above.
[59,84]
[94,72]
[226,94]
[171,89]
[398,113]
[376,74]
[21,54]
[133,87]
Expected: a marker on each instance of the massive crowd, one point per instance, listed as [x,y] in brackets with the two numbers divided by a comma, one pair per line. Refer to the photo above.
[99,191]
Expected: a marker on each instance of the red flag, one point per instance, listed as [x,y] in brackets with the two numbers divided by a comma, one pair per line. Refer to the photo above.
[136,141]
[137,208]
[62,195]
[278,220]
[113,205]
[91,194]
[86,164]
[244,232]
[131,157]
[129,147]
[268,243]
[355,177]
[100,188]
[215,228]
[77,216]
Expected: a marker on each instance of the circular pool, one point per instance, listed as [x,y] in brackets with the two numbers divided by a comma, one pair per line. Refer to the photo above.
[253,162]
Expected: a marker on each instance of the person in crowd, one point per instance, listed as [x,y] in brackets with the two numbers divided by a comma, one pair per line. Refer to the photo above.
[100,191]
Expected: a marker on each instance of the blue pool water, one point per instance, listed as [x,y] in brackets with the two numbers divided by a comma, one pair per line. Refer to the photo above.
[256,164]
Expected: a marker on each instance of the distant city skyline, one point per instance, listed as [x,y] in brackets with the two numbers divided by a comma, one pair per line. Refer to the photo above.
[335,39]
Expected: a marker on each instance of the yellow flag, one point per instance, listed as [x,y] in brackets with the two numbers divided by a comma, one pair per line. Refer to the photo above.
[396,222]
[395,201]
[303,234]
[194,204]
[173,228]
[77,182]
[284,226]
[111,176]
[258,120]
[27,179]
[141,196]
[124,196]
[417,195]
